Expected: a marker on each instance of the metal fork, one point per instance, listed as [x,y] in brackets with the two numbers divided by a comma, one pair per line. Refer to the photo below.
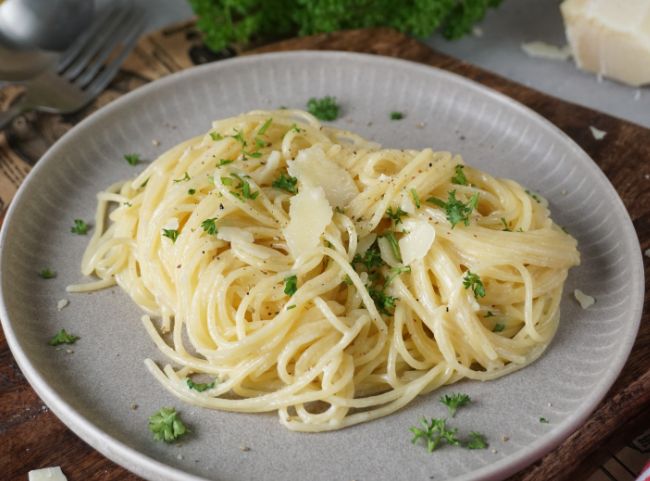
[81,74]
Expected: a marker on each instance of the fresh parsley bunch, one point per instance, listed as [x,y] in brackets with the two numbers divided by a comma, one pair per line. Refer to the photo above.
[224,22]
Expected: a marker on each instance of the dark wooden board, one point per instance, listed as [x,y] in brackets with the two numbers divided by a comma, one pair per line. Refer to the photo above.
[32,437]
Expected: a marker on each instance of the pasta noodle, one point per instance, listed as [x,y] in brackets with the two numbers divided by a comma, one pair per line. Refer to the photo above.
[305,270]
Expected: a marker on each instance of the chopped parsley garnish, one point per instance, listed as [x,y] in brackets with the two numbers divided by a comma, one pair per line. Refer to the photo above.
[325,108]
[144,184]
[79,227]
[543,420]
[223,162]
[384,303]
[455,401]
[489,314]
[292,306]
[191,191]
[216,136]
[505,225]
[396,115]
[132,159]
[434,432]
[476,441]
[416,198]
[259,143]
[63,337]
[371,258]
[347,280]
[474,282]
[243,187]
[456,210]
[199,386]
[239,138]
[290,285]
[286,183]
[498,327]
[534,196]
[166,425]
[459,177]
[396,272]
[210,226]
[265,126]
[296,129]
[394,246]
[47,273]
[185,178]
[395,215]
[171,233]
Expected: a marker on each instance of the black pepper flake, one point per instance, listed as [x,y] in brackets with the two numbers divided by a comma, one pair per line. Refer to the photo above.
[221,206]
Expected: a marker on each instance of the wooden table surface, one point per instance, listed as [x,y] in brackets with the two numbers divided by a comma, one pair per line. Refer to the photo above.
[32,437]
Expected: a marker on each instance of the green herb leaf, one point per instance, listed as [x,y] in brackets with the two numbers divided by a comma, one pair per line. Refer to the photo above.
[239,137]
[290,285]
[197,386]
[216,136]
[456,210]
[474,282]
[543,420]
[185,178]
[166,425]
[191,191]
[132,159]
[265,126]
[416,198]
[47,273]
[394,246]
[209,226]
[296,129]
[347,280]
[459,177]
[292,306]
[396,115]
[476,441]
[286,183]
[395,215]
[79,227]
[505,225]
[383,302]
[223,162]
[498,327]
[325,108]
[395,272]
[433,432]
[63,337]
[370,259]
[455,401]
[170,233]
[534,196]
[243,187]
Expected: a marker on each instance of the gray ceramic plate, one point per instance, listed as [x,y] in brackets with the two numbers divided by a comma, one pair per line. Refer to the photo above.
[92,389]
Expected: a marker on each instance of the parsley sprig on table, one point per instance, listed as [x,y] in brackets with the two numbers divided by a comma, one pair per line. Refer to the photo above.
[80,227]
[166,425]
[433,432]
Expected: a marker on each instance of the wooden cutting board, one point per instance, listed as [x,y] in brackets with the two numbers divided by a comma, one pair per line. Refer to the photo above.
[32,437]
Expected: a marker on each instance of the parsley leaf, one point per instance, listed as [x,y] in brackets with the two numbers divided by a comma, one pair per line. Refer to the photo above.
[243,187]
[474,282]
[210,226]
[371,258]
[455,401]
[223,162]
[47,273]
[543,420]
[191,191]
[132,159]
[435,431]
[396,272]
[290,285]
[394,246]
[216,136]
[286,183]
[498,327]
[476,441]
[416,198]
[325,108]
[63,337]
[166,425]
[505,225]
[534,196]
[456,210]
[395,215]
[292,306]
[384,303]
[171,233]
[79,227]
[265,126]
[185,178]
[459,177]
[295,128]
[239,137]
[197,386]
[396,115]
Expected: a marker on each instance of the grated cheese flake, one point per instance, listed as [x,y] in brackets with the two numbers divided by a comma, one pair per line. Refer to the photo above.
[585,300]
[47,474]
[546,51]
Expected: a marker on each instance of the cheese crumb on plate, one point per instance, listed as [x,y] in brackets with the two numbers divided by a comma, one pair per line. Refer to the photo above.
[585,300]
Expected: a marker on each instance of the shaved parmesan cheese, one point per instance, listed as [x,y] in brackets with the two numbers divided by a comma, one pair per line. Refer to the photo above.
[62,303]
[387,253]
[546,51]
[365,242]
[309,214]
[264,175]
[47,474]
[406,203]
[597,133]
[171,224]
[584,300]
[312,168]
[234,234]
[416,244]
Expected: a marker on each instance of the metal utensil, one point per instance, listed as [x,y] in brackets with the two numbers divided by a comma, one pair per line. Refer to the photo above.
[81,73]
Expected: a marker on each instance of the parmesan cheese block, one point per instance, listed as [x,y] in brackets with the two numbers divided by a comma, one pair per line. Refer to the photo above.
[610,37]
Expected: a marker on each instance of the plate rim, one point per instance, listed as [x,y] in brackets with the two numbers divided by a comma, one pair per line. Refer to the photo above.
[146,466]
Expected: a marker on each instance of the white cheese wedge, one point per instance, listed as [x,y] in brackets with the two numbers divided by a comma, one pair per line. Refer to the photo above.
[309,214]
[416,244]
[314,169]
[610,37]
[47,474]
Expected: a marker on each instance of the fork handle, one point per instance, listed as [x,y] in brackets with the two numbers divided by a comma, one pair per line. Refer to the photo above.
[6,116]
